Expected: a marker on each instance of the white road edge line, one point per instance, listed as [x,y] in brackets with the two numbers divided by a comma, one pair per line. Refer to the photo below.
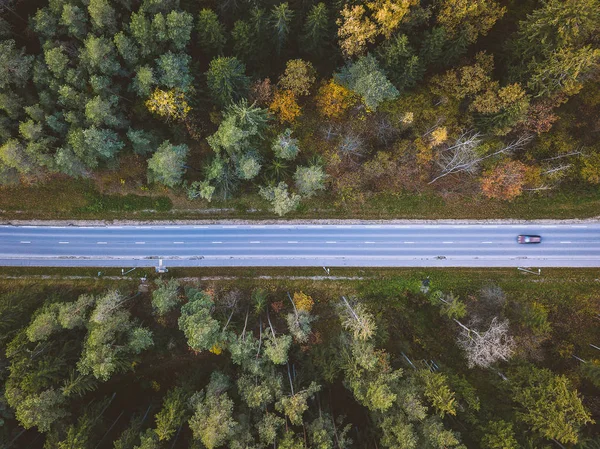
[447,242]
[409,242]
[565,242]
[63,243]
[292,241]
[255,241]
[487,242]
[330,242]
[217,242]
[25,241]
[369,242]
[178,243]
[140,243]
[101,243]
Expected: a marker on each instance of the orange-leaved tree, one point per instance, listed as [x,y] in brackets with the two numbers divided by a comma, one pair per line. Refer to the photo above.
[505,181]
[285,106]
[334,99]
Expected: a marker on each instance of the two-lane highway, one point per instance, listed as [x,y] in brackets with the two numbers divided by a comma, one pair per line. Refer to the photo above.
[301,245]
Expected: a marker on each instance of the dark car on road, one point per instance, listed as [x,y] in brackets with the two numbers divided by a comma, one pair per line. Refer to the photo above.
[529,239]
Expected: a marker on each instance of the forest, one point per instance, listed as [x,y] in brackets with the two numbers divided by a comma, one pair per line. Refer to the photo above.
[455,360]
[289,102]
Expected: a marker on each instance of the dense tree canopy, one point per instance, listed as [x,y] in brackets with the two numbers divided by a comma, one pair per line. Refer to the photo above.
[358,82]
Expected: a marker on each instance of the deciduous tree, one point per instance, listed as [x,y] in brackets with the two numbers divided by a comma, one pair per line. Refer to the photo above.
[365,78]
[299,76]
[309,180]
[505,181]
[285,106]
[167,164]
[282,201]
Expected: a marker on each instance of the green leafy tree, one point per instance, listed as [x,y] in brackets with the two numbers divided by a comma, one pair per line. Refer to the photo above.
[563,71]
[112,340]
[285,146]
[199,327]
[179,28]
[499,435]
[42,410]
[365,78]
[268,428]
[248,166]
[75,314]
[167,164]
[309,180]
[103,15]
[44,324]
[100,111]
[148,440]
[548,404]
[438,392]
[142,142]
[173,70]
[280,19]
[126,47]
[141,29]
[56,60]
[552,46]
[166,296]
[277,348]
[172,413]
[591,371]
[99,55]
[14,65]
[282,201]
[295,405]
[242,127]
[316,31]
[401,62]
[227,81]
[44,23]
[558,24]
[75,19]
[356,319]
[144,81]
[98,144]
[299,325]
[211,32]
[212,422]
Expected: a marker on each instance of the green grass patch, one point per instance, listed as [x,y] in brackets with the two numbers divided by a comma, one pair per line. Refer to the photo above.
[98,203]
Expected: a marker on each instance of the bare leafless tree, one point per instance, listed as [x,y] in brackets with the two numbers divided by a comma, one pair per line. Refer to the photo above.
[486,348]
[463,156]
[351,146]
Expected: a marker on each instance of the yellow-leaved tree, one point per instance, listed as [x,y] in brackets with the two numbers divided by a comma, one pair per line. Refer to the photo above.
[170,104]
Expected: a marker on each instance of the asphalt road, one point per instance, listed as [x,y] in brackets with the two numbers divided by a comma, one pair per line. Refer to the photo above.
[472,245]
